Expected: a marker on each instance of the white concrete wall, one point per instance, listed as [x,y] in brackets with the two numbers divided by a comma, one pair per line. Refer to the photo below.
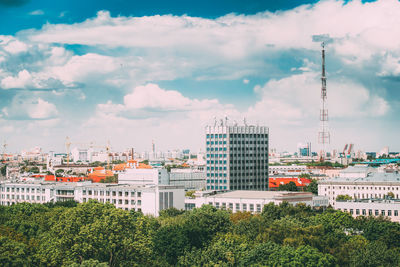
[376,208]
[357,191]
[138,176]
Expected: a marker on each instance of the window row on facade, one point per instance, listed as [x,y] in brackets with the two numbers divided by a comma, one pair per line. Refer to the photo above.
[112,193]
[114,201]
[22,197]
[371,212]
[237,206]
[22,189]
[364,187]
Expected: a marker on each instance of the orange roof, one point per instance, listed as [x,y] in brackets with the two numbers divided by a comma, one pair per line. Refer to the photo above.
[275,182]
[49,178]
[144,166]
[101,173]
[120,167]
[98,168]
[63,179]
[185,165]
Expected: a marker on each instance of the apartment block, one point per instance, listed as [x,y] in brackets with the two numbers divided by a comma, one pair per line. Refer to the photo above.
[237,157]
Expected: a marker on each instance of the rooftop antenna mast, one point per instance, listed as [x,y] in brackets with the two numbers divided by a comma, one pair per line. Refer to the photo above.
[323,134]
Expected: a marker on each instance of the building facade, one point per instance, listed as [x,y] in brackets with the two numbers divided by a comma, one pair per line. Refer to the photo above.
[371,207]
[253,201]
[288,169]
[367,186]
[189,178]
[148,199]
[237,157]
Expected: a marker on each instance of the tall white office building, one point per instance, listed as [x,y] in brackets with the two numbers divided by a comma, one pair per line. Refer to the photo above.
[237,157]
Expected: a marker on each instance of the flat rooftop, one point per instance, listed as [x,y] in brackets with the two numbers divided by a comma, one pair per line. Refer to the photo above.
[370,178]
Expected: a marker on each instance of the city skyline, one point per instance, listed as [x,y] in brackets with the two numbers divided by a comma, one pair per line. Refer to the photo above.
[133,73]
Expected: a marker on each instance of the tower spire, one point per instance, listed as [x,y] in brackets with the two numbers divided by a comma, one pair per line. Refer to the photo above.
[323,134]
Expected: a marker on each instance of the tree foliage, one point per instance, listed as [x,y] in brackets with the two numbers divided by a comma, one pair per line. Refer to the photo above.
[95,234]
[343,198]
[291,186]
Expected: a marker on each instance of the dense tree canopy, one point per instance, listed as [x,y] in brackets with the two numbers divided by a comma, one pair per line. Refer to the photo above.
[95,234]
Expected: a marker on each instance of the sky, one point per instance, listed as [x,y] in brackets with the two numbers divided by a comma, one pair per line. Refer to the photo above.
[136,71]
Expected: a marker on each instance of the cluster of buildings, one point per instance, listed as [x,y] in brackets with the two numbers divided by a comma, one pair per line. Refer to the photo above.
[363,190]
[235,172]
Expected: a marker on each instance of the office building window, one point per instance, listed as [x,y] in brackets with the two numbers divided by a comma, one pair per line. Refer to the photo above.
[258,207]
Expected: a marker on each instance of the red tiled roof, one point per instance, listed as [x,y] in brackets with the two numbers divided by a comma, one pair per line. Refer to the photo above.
[275,182]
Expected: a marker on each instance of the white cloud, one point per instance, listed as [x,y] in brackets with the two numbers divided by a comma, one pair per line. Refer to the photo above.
[296,100]
[41,109]
[150,112]
[77,68]
[151,100]
[12,45]
[37,12]
[22,80]
[127,52]
[30,108]
[175,46]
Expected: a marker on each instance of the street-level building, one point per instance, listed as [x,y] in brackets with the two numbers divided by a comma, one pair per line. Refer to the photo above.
[149,199]
[253,201]
[371,207]
[237,157]
[369,185]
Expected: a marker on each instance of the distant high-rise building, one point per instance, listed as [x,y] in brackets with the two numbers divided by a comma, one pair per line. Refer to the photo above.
[304,149]
[237,157]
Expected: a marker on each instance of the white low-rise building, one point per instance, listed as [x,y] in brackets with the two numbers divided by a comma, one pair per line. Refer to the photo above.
[367,185]
[288,169]
[371,207]
[253,201]
[357,171]
[143,176]
[149,199]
